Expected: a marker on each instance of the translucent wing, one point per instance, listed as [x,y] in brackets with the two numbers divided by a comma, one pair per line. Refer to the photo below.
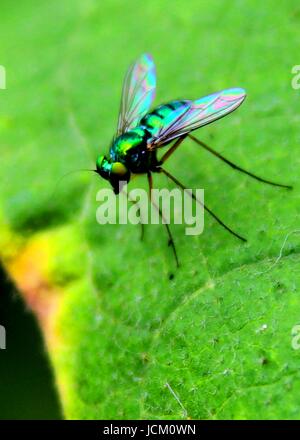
[138,93]
[195,114]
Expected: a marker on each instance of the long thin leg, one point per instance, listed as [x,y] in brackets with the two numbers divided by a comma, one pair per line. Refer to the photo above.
[141,223]
[150,182]
[172,149]
[171,241]
[202,204]
[236,167]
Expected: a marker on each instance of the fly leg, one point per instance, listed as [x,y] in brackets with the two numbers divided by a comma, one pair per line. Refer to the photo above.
[236,167]
[171,241]
[172,149]
[141,223]
[202,204]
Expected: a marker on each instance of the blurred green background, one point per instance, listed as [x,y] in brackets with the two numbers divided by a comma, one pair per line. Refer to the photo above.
[124,329]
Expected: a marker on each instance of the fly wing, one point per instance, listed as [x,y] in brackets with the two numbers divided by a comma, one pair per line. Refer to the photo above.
[138,93]
[169,123]
[198,113]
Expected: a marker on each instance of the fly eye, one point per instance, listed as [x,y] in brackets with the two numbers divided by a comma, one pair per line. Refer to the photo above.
[119,169]
[99,162]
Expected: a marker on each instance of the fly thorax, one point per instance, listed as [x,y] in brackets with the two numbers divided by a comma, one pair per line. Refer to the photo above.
[131,149]
[123,144]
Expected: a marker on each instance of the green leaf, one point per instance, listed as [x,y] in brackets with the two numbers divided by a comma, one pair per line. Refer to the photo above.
[125,341]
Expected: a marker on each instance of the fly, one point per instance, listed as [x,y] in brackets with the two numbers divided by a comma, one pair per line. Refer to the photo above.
[141,133]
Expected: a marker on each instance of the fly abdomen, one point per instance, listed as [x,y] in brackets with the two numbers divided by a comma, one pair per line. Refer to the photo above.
[155,120]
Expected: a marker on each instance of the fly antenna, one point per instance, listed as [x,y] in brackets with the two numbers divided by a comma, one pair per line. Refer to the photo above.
[69,173]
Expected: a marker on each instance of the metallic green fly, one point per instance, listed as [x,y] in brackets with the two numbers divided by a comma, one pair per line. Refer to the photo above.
[140,132]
